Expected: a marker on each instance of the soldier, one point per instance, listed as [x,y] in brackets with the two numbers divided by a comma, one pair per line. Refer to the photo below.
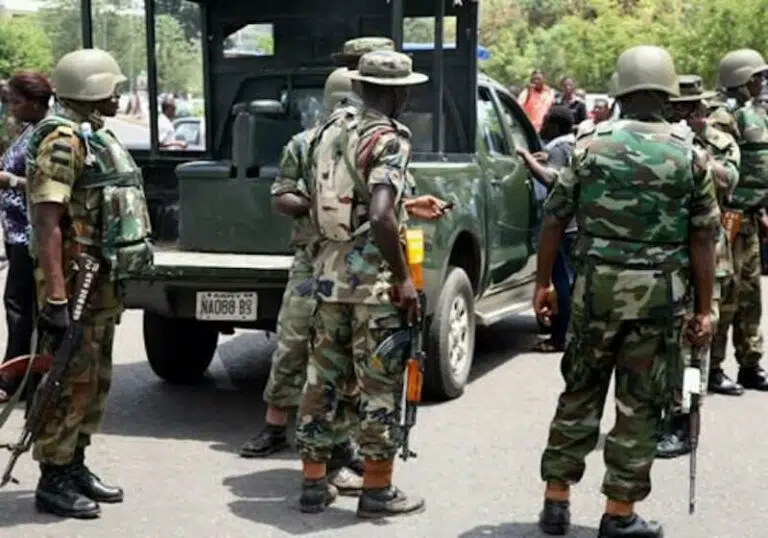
[741,73]
[359,259]
[289,362]
[725,157]
[71,162]
[647,214]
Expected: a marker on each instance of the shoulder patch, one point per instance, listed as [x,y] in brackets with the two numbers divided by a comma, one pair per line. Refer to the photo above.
[65,130]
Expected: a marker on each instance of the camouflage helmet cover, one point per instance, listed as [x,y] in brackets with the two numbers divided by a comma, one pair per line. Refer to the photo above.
[387,68]
[646,68]
[87,75]
[738,66]
[338,87]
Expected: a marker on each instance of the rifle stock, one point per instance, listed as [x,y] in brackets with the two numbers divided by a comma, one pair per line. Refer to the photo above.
[49,391]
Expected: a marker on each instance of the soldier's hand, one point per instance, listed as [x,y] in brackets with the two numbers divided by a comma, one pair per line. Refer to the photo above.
[54,319]
[543,304]
[764,221]
[426,207]
[405,297]
[699,330]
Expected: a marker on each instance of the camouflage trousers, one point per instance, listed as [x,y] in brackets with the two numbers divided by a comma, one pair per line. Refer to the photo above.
[288,372]
[639,353]
[741,304]
[79,412]
[342,352]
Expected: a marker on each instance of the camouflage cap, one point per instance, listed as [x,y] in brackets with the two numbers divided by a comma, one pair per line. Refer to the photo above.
[355,48]
[691,89]
[387,68]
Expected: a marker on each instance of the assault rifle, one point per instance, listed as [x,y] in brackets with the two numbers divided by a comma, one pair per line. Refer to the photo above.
[49,391]
[691,408]
[413,381]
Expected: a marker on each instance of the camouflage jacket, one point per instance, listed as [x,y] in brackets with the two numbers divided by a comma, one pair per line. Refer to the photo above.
[355,271]
[636,189]
[748,124]
[295,175]
[56,160]
[722,148]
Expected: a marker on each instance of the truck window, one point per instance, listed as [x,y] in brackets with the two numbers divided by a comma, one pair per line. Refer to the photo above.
[516,130]
[490,125]
[248,41]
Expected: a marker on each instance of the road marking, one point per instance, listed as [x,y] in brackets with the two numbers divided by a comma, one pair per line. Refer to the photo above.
[221,377]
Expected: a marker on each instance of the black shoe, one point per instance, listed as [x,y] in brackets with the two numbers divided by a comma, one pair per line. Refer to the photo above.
[346,454]
[269,441]
[316,495]
[58,494]
[722,384]
[753,378]
[628,527]
[674,440]
[91,485]
[387,502]
[555,518]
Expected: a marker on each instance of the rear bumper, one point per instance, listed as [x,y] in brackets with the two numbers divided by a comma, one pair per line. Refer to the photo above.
[169,287]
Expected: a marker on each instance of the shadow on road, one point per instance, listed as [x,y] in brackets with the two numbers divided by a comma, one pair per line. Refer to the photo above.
[502,342]
[523,530]
[271,498]
[19,509]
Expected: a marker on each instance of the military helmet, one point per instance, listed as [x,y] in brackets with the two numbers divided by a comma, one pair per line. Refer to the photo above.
[338,87]
[612,85]
[738,66]
[354,48]
[645,68]
[88,75]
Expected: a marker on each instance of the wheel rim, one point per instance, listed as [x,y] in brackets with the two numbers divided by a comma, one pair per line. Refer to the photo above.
[459,337]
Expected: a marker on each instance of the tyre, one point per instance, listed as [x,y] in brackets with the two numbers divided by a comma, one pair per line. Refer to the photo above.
[451,337]
[179,350]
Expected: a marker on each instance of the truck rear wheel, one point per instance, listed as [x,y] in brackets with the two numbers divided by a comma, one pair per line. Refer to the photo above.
[179,350]
[451,337]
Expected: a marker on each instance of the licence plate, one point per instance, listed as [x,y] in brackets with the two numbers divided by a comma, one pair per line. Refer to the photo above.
[226,306]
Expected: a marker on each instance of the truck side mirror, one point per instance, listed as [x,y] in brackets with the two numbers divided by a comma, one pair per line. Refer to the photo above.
[245,158]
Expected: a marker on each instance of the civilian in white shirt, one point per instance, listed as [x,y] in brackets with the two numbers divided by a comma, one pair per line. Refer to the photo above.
[165,128]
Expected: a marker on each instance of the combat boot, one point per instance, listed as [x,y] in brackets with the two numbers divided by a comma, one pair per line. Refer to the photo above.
[91,485]
[380,498]
[720,383]
[674,440]
[58,494]
[316,495]
[753,378]
[268,441]
[633,526]
[347,454]
[555,518]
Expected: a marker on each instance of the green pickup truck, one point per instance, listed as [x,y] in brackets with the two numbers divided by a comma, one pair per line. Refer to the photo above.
[229,263]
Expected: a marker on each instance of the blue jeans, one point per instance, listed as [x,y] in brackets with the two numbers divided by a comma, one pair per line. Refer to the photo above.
[562,279]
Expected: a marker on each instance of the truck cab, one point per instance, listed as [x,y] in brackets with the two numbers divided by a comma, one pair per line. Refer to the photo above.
[226,264]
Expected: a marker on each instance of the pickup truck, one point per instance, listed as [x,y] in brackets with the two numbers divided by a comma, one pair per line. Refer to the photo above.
[229,264]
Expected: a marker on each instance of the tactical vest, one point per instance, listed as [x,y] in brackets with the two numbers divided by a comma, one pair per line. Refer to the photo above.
[634,194]
[116,224]
[341,196]
[751,193]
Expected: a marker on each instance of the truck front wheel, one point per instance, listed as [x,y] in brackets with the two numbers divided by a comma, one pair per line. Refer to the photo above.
[451,337]
[179,350]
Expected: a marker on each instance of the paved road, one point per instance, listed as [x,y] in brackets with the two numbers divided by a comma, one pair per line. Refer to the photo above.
[174,451]
[130,132]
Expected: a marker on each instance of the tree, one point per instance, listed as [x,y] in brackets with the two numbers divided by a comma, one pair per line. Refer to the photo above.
[179,62]
[184,11]
[24,45]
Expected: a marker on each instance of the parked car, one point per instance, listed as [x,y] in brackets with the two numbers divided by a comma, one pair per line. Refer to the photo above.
[191,130]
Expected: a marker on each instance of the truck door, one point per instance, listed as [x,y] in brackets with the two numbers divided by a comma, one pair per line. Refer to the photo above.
[508,195]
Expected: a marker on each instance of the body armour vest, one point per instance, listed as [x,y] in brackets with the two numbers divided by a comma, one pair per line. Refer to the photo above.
[751,192]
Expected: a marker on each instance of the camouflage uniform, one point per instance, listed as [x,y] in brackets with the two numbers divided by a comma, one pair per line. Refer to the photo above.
[79,171]
[722,148]
[294,324]
[354,313]
[630,294]
[741,298]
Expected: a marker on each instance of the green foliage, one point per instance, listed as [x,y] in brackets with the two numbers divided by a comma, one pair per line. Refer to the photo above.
[179,62]
[24,45]
[583,38]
